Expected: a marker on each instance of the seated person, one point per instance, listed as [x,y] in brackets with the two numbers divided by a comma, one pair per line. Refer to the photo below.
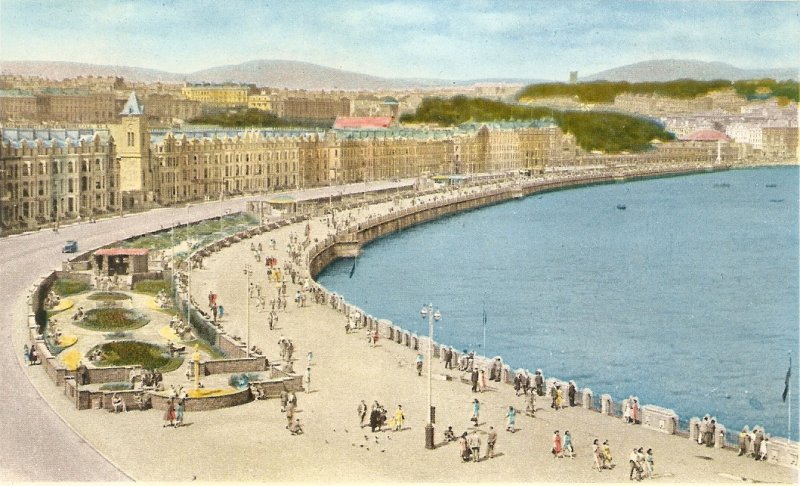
[118,404]
[449,435]
[295,428]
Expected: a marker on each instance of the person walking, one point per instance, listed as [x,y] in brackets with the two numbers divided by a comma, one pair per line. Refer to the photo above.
[649,462]
[180,410]
[491,440]
[511,417]
[633,459]
[362,412]
[475,446]
[169,414]
[557,452]
[476,411]
[539,381]
[607,456]
[571,393]
[744,441]
[597,454]
[399,418]
[307,380]
[483,383]
[463,446]
[474,380]
[568,449]
[419,364]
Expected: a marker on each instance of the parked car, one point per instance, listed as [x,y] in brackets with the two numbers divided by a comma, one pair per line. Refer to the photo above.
[70,247]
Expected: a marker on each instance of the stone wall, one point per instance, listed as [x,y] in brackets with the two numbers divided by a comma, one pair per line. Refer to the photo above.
[239,397]
[234,365]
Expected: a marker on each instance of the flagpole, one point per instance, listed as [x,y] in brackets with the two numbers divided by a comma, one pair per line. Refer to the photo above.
[789,401]
[484,330]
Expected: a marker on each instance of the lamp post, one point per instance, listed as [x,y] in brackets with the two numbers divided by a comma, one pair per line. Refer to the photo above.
[431,314]
[248,271]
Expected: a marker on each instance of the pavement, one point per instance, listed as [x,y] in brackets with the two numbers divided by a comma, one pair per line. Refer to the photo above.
[250,442]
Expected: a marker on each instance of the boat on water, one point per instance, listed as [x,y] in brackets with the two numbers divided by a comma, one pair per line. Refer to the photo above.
[776,200]
[621,206]
[722,184]
[771,185]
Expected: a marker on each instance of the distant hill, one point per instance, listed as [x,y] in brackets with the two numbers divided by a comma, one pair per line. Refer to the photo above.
[672,69]
[62,70]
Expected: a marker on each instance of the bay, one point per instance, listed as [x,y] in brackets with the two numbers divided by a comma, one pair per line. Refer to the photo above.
[687,298]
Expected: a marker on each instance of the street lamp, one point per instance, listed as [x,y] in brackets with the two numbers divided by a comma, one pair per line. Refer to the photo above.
[431,314]
[248,271]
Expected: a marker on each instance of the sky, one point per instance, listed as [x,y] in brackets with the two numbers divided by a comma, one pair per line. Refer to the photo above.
[467,39]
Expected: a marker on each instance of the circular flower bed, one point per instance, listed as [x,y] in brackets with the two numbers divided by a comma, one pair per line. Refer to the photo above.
[108,296]
[113,319]
[128,353]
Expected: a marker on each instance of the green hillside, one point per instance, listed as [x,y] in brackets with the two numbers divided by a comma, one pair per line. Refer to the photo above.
[607,132]
[606,91]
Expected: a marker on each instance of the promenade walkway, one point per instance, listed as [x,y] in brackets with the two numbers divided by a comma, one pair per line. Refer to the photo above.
[250,443]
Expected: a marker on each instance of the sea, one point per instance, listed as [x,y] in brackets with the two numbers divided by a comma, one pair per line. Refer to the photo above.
[682,291]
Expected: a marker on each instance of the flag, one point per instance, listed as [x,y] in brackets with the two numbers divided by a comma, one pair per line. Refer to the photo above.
[353,270]
[788,375]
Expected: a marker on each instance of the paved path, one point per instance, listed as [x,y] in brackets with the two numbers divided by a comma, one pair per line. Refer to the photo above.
[36,444]
[250,442]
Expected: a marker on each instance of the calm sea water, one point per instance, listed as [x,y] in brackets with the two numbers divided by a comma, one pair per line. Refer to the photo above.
[688,298]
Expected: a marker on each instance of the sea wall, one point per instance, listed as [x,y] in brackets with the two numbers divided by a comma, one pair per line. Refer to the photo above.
[650,416]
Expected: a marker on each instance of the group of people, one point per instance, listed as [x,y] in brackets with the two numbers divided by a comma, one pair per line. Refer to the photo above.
[469,445]
[641,464]
[176,406]
[708,427]
[562,445]
[31,355]
[630,413]
[289,407]
[378,417]
[181,329]
[753,443]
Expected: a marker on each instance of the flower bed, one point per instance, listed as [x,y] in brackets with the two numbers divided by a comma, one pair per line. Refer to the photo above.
[113,319]
[108,296]
[128,353]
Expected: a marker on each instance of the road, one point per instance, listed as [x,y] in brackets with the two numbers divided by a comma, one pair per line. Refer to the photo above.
[36,444]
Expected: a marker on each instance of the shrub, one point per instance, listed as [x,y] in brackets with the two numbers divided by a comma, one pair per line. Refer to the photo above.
[67,286]
[108,296]
[152,287]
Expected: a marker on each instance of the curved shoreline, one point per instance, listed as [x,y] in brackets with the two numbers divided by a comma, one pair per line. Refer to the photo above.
[203,423]
[366,232]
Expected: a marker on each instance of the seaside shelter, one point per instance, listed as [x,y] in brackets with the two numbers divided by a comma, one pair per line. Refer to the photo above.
[121,261]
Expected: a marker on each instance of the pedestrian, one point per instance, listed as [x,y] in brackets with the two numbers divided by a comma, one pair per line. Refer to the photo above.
[308,380]
[607,456]
[475,446]
[744,440]
[474,379]
[530,406]
[483,383]
[709,438]
[559,398]
[763,453]
[633,459]
[568,445]
[463,446]
[169,414]
[635,411]
[419,364]
[641,460]
[362,412]
[571,393]
[649,462]
[476,411]
[539,381]
[758,440]
[399,418]
[597,453]
[289,414]
[180,410]
[517,383]
[491,440]
[284,400]
[511,417]
[556,451]
[26,354]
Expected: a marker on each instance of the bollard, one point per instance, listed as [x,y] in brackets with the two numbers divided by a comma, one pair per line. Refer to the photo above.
[694,428]
[606,404]
[719,443]
[587,398]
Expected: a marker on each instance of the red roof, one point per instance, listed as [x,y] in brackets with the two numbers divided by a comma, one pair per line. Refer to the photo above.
[707,135]
[362,122]
[122,251]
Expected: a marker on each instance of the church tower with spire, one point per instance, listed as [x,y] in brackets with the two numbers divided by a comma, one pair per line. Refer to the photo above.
[132,142]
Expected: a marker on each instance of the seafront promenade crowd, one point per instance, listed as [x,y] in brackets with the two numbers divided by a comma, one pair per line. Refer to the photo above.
[281,272]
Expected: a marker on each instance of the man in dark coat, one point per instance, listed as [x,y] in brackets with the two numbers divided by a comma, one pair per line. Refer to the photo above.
[571,394]
[474,379]
[539,382]
[374,419]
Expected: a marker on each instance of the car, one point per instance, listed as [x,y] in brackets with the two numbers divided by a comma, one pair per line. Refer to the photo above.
[70,247]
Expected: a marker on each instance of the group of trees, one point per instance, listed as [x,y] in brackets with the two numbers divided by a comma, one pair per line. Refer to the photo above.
[249,118]
[606,91]
[607,132]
